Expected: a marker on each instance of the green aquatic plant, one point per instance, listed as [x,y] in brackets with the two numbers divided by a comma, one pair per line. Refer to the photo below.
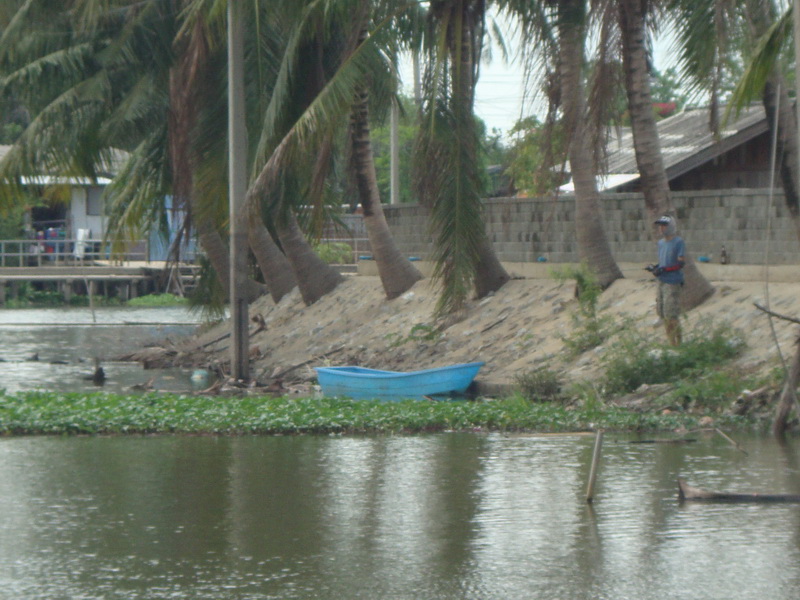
[154,300]
[37,413]
[635,360]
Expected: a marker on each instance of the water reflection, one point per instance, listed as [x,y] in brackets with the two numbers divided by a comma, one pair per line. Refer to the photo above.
[54,349]
[444,516]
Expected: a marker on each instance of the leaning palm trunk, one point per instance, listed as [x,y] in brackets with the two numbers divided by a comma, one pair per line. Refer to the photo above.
[182,119]
[447,162]
[185,85]
[776,99]
[274,266]
[490,275]
[396,272]
[655,185]
[315,277]
[593,246]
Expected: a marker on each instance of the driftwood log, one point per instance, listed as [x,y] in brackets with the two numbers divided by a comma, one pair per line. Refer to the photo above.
[690,493]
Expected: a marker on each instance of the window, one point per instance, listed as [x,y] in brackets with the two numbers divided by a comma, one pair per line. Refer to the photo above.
[94,201]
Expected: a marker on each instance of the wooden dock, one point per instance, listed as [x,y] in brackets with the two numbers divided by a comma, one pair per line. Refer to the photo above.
[127,281]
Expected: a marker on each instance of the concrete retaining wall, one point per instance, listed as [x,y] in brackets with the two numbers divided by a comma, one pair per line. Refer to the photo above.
[753,227]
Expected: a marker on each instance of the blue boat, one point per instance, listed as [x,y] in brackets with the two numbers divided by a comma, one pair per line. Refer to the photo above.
[363,383]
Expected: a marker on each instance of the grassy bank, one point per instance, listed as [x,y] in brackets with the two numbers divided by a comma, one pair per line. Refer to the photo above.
[50,413]
[31,298]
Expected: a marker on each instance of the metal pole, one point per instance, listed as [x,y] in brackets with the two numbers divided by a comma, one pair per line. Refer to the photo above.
[417,79]
[237,188]
[394,157]
[796,27]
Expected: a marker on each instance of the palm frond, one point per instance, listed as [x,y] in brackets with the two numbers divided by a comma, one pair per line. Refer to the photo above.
[761,64]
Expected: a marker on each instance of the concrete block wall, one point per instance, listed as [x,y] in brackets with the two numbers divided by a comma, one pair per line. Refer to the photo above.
[754,227]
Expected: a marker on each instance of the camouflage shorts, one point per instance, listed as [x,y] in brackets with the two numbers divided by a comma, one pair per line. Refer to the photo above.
[668,300]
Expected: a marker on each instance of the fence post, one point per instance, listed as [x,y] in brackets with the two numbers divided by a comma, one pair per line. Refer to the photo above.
[598,444]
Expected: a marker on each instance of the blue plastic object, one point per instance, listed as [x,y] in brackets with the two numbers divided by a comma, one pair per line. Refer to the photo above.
[360,382]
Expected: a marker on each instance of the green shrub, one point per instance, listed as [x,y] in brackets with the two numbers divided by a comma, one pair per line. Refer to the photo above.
[589,329]
[636,360]
[711,391]
[539,385]
[335,253]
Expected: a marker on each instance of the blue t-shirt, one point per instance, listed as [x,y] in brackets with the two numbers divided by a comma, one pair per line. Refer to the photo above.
[668,253]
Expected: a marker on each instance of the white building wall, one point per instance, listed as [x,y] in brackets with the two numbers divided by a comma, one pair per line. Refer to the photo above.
[85,200]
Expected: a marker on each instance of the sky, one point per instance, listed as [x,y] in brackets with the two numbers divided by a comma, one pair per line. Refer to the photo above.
[499,94]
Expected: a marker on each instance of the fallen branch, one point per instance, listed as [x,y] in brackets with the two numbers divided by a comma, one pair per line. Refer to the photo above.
[306,362]
[488,327]
[260,326]
[733,442]
[776,315]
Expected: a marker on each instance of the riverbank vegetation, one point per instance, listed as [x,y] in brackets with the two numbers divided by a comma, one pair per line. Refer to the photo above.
[29,297]
[45,413]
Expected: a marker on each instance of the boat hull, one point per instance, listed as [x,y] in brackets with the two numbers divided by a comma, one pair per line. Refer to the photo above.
[363,383]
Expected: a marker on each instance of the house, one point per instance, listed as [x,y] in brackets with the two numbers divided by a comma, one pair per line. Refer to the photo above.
[694,158]
[68,204]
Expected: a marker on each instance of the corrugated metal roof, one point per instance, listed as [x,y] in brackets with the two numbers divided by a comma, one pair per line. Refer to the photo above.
[686,142]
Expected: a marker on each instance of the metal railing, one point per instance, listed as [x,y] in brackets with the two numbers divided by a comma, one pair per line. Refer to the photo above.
[32,253]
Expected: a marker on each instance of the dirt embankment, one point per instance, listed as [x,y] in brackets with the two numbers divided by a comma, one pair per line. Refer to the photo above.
[516,330]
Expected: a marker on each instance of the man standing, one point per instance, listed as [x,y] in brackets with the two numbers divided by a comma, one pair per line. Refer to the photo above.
[671,257]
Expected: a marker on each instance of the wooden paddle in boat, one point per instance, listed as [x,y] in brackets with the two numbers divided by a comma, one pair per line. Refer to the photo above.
[687,492]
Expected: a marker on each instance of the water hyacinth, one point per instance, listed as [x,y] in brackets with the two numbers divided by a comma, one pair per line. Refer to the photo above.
[35,413]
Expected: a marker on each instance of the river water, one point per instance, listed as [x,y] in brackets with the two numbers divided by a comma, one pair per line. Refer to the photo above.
[448,516]
[65,342]
[439,517]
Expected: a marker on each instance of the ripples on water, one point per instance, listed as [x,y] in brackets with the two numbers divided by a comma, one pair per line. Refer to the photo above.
[66,340]
[459,516]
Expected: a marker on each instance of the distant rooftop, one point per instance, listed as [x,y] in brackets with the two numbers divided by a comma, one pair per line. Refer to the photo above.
[686,143]
[115,161]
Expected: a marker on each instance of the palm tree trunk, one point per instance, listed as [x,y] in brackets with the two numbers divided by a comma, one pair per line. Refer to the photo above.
[315,278]
[185,81]
[490,275]
[593,246]
[655,185]
[396,272]
[776,100]
[182,119]
[274,266]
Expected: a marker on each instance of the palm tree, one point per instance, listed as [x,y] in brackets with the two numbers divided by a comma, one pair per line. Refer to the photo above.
[593,246]
[124,77]
[655,185]
[397,273]
[705,47]
[706,28]
[302,117]
[447,155]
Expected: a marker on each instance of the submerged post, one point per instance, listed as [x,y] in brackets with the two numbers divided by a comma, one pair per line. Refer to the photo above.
[598,444]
